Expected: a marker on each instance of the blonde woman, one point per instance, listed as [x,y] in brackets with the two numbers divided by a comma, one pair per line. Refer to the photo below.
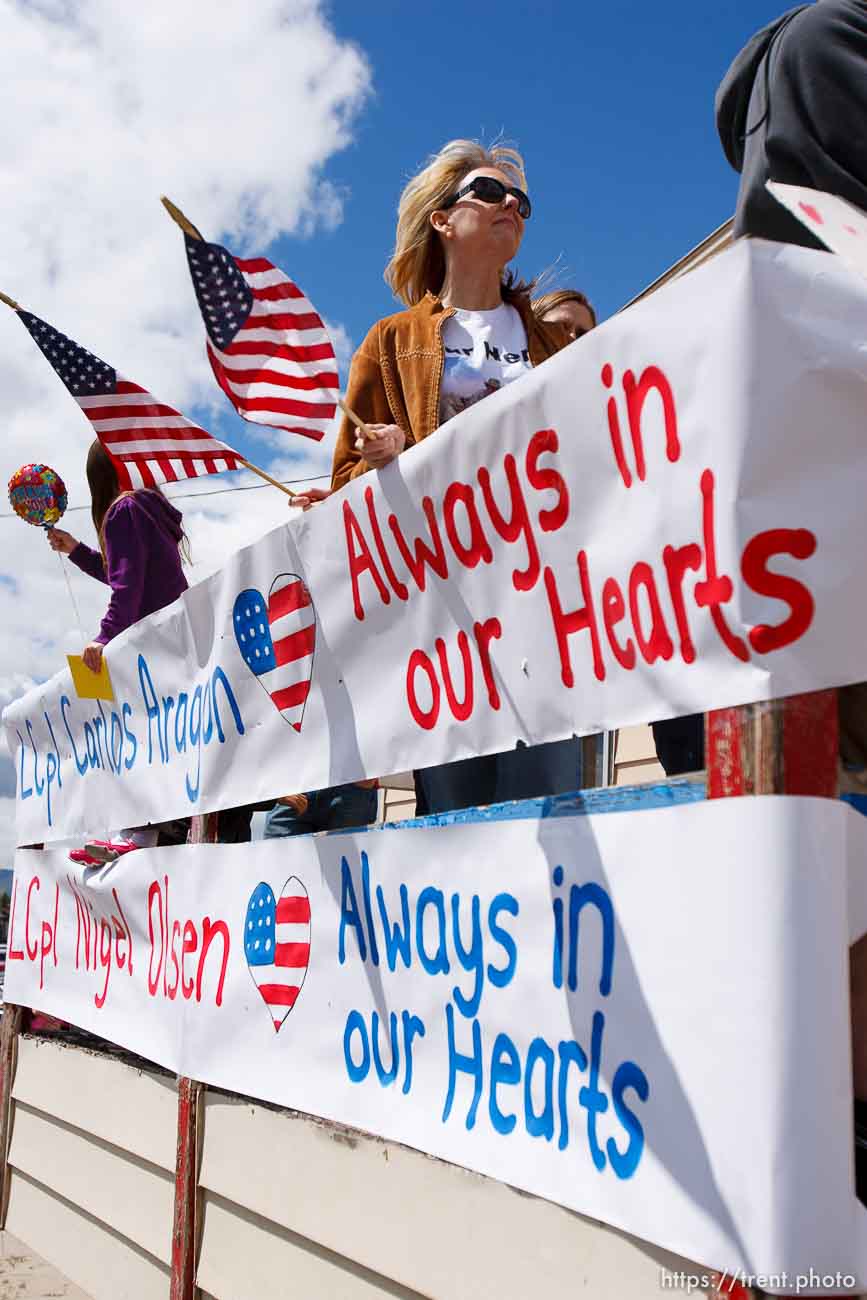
[460,222]
[566,307]
[469,329]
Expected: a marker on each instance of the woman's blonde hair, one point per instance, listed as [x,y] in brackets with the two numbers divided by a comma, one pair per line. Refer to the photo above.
[418,262]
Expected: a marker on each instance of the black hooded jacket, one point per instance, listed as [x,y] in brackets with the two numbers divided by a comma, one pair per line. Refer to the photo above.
[793,108]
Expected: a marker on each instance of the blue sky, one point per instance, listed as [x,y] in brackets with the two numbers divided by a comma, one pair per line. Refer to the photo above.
[611,105]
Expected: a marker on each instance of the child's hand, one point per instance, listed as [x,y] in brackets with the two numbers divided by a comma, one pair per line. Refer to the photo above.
[304,500]
[299,803]
[92,656]
[60,540]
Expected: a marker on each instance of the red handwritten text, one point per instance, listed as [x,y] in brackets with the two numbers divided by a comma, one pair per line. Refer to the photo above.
[173,942]
[103,939]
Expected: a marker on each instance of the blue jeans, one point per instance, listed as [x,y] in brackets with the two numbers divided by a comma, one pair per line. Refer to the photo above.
[680,743]
[522,773]
[337,808]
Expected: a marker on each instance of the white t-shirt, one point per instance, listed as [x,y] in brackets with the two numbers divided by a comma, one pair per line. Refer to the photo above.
[483,351]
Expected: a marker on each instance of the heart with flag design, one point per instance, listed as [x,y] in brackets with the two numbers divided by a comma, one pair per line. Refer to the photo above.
[277,640]
[277,945]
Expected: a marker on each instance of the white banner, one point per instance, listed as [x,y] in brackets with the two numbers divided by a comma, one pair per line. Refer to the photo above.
[840,225]
[666,517]
[642,1016]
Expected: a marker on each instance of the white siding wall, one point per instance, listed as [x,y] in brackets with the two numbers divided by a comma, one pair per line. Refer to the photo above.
[296,1206]
[92,1169]
[291,1206]
[635,760]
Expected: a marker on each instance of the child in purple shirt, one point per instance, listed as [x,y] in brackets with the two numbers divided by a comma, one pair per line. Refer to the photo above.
[141,537]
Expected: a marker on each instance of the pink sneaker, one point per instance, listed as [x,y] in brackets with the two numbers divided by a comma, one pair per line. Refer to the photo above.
[83,858]
[109,850]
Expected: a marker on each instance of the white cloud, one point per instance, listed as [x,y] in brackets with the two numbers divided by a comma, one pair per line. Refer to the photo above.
[231,110]
[7,830]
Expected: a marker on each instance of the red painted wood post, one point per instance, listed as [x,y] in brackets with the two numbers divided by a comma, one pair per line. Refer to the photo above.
[787,746]
[203,830]
[10,1028]
[185,1225]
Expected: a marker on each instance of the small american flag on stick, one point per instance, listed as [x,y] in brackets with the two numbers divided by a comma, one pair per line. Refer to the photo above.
[149,442]
[267,345]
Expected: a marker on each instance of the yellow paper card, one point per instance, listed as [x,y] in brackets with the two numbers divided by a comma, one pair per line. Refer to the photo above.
[89,685]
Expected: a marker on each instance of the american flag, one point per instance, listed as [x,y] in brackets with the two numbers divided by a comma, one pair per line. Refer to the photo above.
[277,640]
[268,348]
[149,442]
[277,944]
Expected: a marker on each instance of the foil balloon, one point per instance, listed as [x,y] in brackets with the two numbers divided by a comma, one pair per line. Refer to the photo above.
[37,495]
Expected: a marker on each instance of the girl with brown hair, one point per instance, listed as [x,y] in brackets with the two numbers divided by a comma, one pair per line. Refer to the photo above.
[568,307]
[141,541]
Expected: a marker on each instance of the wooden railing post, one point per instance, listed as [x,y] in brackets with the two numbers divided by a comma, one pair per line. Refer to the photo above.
[186,1222]
[185,1225]
[593,772]
[787,746]
[10,1028]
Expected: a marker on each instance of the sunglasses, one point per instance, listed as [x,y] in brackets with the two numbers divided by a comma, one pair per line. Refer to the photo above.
[490,190]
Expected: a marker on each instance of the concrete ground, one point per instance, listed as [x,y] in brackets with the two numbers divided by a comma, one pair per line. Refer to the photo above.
[24,1276]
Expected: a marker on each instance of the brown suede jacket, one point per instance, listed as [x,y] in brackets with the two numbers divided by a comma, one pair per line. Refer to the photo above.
[396,374]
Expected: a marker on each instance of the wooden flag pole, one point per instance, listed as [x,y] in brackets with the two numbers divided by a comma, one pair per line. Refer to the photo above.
[178,217]
[267,477]
[10,302]
[362,428]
